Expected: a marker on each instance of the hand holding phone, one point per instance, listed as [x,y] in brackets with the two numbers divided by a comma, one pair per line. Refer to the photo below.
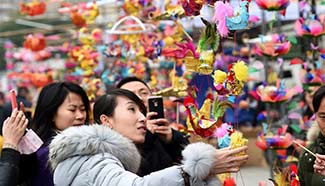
[156,104]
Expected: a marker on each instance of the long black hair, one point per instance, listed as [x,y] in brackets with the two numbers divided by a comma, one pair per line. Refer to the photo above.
[50,99]
[106,104]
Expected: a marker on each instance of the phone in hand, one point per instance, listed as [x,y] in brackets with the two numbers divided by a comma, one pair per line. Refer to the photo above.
[156,104]
[13,99]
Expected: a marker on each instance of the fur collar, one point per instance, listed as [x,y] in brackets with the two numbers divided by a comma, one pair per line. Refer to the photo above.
[93,139]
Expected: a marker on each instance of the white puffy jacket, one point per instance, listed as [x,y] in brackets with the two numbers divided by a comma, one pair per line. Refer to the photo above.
[95,155]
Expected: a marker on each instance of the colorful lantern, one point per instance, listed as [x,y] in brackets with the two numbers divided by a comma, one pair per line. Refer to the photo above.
[35,42]
[276,47]
[271,5]
[314,27]
[33,8]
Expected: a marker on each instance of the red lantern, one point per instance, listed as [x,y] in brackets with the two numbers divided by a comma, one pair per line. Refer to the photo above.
[33,8]
[35,42]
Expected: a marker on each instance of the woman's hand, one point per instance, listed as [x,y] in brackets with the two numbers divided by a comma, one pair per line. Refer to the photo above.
[227,161]
[319,165]
[14,128]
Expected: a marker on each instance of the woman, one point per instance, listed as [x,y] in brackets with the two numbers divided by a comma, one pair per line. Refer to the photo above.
[13,130]
[163,145]
[60,105]
[307,175]
[106,154]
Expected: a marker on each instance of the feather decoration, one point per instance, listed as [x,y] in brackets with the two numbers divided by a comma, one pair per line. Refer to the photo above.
[219,108]
[222,10]
[209,38]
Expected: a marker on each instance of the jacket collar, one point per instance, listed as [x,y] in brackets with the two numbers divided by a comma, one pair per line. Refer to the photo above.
[90,140]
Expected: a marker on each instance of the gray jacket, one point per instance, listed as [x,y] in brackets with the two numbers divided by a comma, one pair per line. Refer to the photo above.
[95,155]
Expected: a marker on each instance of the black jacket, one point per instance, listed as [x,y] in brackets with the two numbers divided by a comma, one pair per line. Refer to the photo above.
[9,167]
[307,176]
[158,155]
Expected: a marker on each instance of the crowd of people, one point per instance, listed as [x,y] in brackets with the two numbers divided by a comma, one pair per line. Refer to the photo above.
[122,145]
[117,141]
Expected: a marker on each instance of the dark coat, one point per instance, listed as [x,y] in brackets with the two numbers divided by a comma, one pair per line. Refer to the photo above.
[43,174]
[158,155]
[307,176]
[9,167]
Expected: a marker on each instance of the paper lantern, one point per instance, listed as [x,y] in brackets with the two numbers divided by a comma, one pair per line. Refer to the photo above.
[271,5]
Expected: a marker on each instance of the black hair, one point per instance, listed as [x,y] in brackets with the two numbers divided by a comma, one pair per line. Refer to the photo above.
[317,98]
[130,79]
[50,99]
[106,104]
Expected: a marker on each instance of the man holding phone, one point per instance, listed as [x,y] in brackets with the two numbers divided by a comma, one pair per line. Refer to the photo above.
[163,145]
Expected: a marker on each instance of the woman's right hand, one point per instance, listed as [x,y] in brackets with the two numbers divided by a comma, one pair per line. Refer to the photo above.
[227,161]
[14,127]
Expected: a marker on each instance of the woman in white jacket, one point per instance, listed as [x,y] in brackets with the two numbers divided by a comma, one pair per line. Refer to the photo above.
[106,154]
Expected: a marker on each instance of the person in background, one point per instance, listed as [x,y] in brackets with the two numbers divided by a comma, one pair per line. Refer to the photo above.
[23,96]
[106,154]
[307,175]
[2,101]
[163,145]
[60,105]
[13,130]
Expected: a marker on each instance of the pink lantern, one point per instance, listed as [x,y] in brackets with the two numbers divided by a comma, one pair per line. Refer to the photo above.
[312,28]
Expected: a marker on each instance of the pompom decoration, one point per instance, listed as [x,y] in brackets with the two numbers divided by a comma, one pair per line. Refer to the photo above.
[236,77]
[219,76]
[241,71]
[271,5]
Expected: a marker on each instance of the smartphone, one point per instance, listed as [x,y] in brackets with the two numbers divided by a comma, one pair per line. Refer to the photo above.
[156,104]
[13,99]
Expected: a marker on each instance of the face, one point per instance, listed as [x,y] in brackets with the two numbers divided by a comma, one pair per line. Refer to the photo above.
[320,116]
[72,112]
[139,89]
[127,120]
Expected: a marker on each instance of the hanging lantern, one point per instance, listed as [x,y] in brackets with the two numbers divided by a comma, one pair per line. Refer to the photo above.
[272,5]
[35,42]
[313,27]
[274,48]
[33,8]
